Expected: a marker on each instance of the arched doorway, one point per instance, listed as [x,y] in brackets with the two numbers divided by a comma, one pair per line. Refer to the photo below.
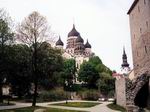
[141,99]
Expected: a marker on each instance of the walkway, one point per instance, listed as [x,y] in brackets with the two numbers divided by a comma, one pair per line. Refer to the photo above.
[99,108]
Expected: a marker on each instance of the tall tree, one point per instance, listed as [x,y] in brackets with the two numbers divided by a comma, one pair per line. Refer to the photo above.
[6,36]
[69,71]
[33,31]
[50,63]
[18,65]
[106,84]
[88,74]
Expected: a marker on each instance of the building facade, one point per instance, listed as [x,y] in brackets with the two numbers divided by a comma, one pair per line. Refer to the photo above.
[139,15]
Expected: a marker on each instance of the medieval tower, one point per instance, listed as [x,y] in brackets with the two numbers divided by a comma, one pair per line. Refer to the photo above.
[139,15]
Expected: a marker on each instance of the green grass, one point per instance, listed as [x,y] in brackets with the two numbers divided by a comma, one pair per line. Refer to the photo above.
[31,109]
[77,104]
[116,107]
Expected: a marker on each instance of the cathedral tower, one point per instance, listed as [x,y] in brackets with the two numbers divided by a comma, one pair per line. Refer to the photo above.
[71,40]
[125,69]
[59,44]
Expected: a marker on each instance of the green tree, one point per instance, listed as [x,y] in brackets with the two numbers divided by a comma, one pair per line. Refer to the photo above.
[6,36]
[18,67]
[69,71]
[50,64]
[99,66]
[88,74]
[106,84]
[33,31]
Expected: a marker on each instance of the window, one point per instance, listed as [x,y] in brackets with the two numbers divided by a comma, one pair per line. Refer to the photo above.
[146,49]
[147,24]
[137,53]
[144,1]
[140,30]
[139,8]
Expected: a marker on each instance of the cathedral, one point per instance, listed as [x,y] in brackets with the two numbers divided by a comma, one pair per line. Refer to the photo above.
[75,47]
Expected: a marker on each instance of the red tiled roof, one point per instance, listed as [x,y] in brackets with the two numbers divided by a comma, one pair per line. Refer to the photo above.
[132,6]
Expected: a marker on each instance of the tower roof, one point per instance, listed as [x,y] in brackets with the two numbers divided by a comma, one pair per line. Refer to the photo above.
[59,42]
[87,45]
[132,6]
[124,59]
[79,39]
[73,32]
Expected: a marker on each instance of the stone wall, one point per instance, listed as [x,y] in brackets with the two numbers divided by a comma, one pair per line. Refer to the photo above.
[149,95]
[140,35]
[120,92]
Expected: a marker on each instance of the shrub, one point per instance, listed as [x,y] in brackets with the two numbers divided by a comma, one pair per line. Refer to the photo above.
[52,95]
[89,94]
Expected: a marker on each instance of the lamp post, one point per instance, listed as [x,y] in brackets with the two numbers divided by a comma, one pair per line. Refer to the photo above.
[66,84]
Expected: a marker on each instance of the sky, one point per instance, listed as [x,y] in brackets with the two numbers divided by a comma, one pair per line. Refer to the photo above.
[104,23]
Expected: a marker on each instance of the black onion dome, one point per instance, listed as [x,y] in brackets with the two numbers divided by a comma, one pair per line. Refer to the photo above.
[73,32]
[87,45]
[79,39]
[59,42]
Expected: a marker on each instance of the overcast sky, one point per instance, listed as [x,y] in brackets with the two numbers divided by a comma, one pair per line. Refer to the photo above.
[104,23]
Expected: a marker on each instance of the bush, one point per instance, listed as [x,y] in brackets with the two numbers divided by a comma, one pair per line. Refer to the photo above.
[77,87]
[52,95]
[89,94]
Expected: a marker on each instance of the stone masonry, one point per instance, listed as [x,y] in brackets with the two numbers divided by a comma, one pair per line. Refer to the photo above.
[139,15]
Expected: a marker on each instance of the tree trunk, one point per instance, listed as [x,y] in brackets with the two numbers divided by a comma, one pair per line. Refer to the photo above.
[35,92]
[2,63]
[1,94]
[35,73]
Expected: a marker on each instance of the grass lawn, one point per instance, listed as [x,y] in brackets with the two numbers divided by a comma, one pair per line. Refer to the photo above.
[31,109]
[77,104]
[116,107]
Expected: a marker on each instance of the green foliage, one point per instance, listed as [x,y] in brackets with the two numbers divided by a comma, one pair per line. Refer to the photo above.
[69,68]
[88,74]
[18,67]
[106,84]
[94,72]
[89,94]
[99,66]
[68,74]
[56,94]
[6,37]
[49,64]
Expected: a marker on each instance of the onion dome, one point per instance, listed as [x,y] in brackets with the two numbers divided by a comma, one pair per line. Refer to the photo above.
[87,45]
[59,42]
[124,59]
[73,32]
[79,39]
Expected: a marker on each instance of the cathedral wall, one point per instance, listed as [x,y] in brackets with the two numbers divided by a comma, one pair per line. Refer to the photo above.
[140,36]
[120,92]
